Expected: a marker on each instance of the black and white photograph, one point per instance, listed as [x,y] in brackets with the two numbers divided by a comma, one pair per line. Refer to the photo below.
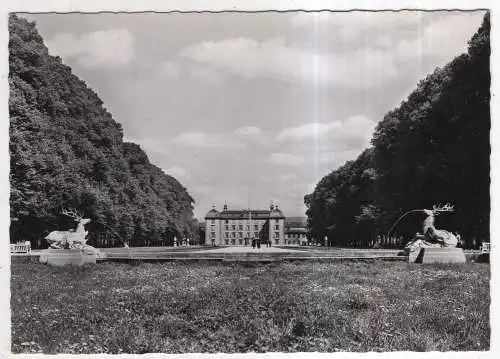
[261,181]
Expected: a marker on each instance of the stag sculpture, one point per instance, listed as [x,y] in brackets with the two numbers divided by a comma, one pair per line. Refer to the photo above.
[430,236]
[74,239]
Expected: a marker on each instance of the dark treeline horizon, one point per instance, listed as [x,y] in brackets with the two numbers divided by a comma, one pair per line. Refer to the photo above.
[434,148]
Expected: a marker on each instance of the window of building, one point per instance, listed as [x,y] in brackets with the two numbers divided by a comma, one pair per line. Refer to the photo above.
[247,228]
[277,240]
[213,221]
[226,234]
[232,241]
[256,227]
[227,241]
[241,241]
[233,234]
[213,234]
[240,234]
[234,227]
[276,234]
[240,227]
[277,227]
[226,221]
[256,234]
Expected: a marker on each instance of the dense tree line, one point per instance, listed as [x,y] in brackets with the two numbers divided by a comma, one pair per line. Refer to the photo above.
[434,148]
[67,151]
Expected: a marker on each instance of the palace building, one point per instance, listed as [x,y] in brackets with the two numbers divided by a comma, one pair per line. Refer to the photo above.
[295,231]
[240,227]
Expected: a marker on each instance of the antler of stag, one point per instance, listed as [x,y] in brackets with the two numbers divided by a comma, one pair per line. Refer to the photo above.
[446,208]
[73,214]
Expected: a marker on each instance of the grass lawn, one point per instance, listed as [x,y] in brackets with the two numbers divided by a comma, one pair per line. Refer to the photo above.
[178,308]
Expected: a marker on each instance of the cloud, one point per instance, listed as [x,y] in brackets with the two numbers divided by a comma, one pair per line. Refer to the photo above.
[255,135]
[337,158]
[202,189]
[364,20]
[106,48]
[248,131]
[390,40]
[170,69]
[288,177]
[153,145]
[265,177]
[354,132]
[274,59]
[310,130]
[435,39]
[286,159]
[176,171]
[206,74]
[206,140]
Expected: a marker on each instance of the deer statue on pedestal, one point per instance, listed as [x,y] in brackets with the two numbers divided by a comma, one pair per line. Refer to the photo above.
[430,236]
[73,239]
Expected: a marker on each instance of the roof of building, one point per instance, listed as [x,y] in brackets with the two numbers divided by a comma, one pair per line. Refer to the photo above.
[245,214]
[302,220]
[213,213]
[295,230]
[276,213]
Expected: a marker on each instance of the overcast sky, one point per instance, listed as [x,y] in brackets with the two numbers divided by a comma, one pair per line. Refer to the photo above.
[253,107]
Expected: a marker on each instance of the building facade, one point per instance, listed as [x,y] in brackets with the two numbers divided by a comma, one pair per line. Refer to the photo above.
[296,237]
[240,227]
[295,231]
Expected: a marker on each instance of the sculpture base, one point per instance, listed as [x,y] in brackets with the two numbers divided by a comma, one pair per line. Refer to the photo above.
[437,255]
[63,257]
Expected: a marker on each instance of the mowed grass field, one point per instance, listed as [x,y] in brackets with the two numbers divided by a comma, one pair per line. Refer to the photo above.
[286,307]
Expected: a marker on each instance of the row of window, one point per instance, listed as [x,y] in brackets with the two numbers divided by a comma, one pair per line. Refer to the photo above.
[241,241]
[295,235]
[295,241]
[227,221]
[240,227]
[247,228]
[240,234]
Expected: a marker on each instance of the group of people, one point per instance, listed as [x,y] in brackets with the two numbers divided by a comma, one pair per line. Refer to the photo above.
[256,243]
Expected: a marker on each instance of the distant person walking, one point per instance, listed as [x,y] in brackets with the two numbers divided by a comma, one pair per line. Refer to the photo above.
[253,243]
[258,243]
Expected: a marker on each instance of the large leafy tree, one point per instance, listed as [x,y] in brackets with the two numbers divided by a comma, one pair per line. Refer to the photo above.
[433,148]
[67,151]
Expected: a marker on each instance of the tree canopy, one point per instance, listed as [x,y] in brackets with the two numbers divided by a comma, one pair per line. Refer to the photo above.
[66,150]
[434,148]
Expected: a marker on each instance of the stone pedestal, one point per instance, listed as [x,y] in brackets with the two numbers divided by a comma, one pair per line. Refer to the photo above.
[437,255]
[62,257]
[415,255]
[483,258]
